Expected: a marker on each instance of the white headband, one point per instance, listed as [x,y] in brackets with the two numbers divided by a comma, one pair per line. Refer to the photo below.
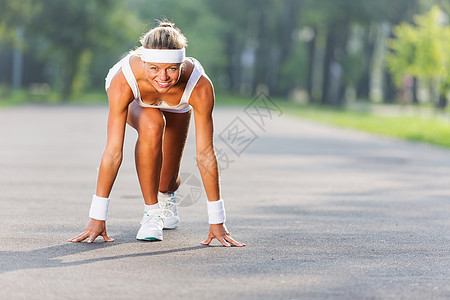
[163,55]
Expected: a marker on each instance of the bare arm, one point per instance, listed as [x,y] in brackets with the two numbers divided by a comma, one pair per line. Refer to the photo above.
[119,96]
[119,99]
[202,100]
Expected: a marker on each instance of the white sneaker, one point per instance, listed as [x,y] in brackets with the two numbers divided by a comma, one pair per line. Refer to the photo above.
[151,226]
[169,204]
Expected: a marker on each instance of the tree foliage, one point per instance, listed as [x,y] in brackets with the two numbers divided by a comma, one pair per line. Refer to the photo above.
[14,14]
[422,50]
[67,35]
[326,47]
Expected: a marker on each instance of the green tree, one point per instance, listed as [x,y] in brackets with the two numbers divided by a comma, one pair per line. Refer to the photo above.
[258,37]
[201,26]
[337,26]
[14,14]
[422,50]
[66,34]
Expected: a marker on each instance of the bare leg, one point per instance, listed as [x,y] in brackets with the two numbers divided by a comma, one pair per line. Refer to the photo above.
[149,123]
[177,126]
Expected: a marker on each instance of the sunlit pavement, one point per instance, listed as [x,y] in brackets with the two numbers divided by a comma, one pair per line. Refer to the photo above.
[325,212]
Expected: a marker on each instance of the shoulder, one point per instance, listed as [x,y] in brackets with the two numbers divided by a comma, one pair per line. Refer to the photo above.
[202,97]
[119,92]
[137,67]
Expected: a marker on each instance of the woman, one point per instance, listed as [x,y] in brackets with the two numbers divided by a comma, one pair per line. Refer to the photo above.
[153,89]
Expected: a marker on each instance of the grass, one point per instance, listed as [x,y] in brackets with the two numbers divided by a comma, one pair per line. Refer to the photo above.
[95,97]
[434,131]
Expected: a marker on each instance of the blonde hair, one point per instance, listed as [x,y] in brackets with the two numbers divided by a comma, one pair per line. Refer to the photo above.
[164,36]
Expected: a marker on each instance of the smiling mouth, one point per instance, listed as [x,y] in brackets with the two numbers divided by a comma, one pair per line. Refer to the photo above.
[163,84]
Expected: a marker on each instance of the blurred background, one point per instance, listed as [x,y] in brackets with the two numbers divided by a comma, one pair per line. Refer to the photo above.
[335,53]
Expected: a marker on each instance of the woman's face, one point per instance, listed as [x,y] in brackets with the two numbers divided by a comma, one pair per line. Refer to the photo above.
[162,76]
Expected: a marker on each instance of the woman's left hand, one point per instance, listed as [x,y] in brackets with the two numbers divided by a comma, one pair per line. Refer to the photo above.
[220,232]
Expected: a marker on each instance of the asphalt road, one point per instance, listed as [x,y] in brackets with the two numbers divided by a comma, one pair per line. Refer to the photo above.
[325,212]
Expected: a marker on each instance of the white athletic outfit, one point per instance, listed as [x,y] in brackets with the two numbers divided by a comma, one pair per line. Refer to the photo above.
[182,107]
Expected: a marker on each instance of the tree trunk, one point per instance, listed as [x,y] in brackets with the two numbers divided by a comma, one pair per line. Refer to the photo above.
[389,89]
[288,23]
[442,101]
[17,70]
[328,58]
[415,100]
[333,87]
[363,87]
[263,53]
[310,75]
[342,47]
[231,67]
[70,68]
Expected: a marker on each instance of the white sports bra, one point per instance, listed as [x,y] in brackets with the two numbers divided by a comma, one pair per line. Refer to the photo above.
[181,107]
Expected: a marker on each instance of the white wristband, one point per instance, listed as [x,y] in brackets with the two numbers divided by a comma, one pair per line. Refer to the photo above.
[99,208]
[216,212]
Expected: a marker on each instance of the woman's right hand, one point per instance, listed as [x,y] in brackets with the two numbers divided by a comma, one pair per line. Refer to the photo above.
[93,229]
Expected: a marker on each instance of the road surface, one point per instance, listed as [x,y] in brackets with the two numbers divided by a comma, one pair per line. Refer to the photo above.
[325,212]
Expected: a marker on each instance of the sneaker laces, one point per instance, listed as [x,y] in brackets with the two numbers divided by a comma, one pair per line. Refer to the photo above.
[169,204]
[159,213]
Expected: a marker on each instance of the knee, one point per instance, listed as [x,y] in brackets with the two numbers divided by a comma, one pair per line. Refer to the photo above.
[152,130]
